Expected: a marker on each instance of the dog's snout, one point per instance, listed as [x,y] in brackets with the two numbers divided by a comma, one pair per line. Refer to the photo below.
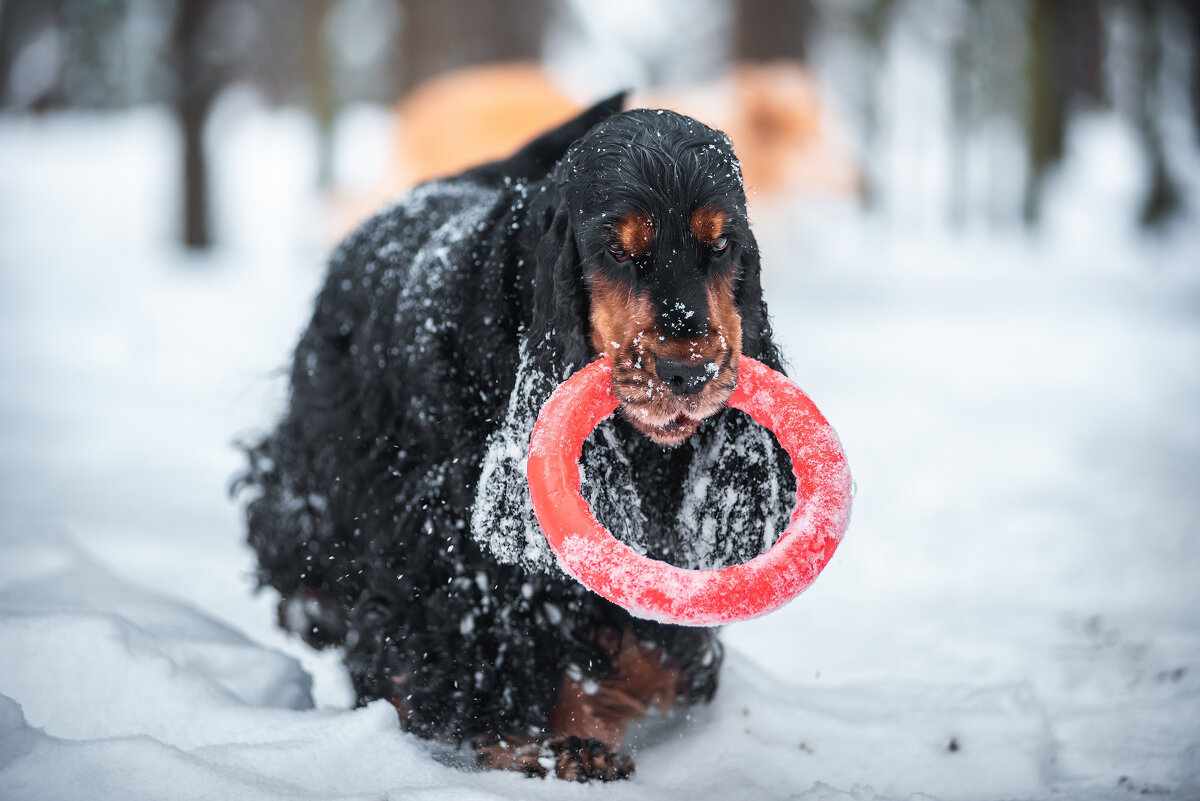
[683,379]
[684,319]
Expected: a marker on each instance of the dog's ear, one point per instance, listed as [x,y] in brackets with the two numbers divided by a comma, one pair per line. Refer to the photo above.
[758,341]
[534,160]
[560,305]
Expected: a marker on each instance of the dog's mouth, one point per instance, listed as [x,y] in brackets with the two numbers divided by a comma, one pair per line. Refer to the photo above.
[671,433]
[667,385]
[669,410]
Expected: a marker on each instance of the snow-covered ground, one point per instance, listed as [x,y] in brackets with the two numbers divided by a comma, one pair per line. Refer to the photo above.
[1014,614]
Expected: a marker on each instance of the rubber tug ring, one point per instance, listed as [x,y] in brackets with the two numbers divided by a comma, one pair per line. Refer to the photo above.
[657,590]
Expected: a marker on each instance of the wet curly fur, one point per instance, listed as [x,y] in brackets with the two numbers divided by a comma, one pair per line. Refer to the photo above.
[388,507]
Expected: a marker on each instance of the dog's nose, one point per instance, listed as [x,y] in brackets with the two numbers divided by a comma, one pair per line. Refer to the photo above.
[683,379]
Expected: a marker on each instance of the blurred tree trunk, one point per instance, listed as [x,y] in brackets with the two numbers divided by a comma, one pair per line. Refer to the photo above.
[965,58]
[874,25]
[1163,198]
[1191,14]
[21,22]
[196,88]
[321,95]
[1046,121]
[1064,68]
[1087,36]
[772,30]
[444,35]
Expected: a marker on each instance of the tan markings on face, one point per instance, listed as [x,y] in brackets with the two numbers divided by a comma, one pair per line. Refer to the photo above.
[617,315]
[723,313]
[708,224]
[634,232]
[624,328]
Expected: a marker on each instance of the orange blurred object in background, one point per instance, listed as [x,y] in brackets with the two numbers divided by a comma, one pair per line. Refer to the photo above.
[788,145]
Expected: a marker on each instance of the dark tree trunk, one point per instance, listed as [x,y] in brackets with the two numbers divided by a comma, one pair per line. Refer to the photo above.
[20,22]
[1046,122]
[1085,46]
[1163,197]
[444,35]
[772,30]
[196,88]
[321,95]
[1065,67]
[1189,11]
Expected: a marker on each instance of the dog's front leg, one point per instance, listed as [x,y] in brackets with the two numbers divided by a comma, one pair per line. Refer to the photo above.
[565,757]
[586,727]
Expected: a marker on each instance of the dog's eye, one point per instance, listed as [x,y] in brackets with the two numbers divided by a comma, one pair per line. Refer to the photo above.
[617,253]
[720,245]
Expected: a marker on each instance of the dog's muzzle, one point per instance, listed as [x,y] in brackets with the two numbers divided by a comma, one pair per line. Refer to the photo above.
[683,379]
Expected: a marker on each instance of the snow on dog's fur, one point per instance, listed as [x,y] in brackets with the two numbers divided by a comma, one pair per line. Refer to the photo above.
[390,507]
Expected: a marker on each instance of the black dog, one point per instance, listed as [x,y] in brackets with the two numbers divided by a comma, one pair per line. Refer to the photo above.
[390,506]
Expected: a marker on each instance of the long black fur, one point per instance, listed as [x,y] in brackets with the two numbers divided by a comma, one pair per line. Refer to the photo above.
[443,325]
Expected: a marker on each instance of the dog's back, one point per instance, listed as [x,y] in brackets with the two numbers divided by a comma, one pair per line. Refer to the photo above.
[437,334]
[409,356]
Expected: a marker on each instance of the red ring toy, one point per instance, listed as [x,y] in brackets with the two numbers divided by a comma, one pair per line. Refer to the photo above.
[657,590]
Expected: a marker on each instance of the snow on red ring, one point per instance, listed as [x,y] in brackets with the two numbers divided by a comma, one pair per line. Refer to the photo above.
[656,590]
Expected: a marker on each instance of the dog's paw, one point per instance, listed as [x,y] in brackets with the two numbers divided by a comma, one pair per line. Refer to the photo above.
[581,760]
[572,758]
[507,754]
[314,617]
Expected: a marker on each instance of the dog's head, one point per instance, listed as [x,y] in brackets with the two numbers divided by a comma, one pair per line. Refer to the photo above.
[651,226]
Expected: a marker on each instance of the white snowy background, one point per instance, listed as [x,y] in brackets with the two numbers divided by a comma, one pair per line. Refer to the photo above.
[1014,613]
